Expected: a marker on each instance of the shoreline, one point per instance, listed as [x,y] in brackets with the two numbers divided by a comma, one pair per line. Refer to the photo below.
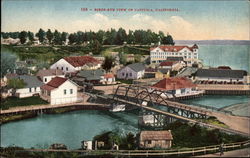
[26,115]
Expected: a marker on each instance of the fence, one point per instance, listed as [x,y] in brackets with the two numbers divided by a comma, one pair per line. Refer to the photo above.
[146,153]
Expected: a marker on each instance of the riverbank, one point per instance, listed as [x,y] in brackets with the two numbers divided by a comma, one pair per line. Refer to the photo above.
[241,109]
[31,114]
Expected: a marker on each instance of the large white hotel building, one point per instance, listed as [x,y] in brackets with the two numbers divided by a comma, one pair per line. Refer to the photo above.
[160,53]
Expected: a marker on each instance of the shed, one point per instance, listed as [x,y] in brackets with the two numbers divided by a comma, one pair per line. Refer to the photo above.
[156,139]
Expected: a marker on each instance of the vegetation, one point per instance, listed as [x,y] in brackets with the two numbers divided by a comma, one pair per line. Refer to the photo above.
[127,142]
[7,63]
[109,37]
[213,120]
[109,62]
[186,135]
[14,101]
[9,118]
[15,83]
[129,81]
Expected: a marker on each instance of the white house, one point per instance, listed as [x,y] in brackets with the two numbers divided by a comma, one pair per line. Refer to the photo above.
[32,86]
[109,78]
[76,63]
[177,86]
[160,53]
[59,91]
[132,71]
[46,75]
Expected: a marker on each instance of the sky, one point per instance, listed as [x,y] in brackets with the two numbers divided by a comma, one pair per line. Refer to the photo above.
[188,19]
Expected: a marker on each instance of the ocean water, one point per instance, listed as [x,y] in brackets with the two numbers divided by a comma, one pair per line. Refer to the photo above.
[235,56]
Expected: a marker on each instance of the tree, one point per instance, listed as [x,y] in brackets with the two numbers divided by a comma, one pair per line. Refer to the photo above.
[41,35]
[168,40]
[57,38]
[64,36]
[137,58]
[30,36]
[7,63]
[95,46]
[49,35]
[123,58]
[15,83]
[131,37]
[72,38]
[23,37]
[108,63]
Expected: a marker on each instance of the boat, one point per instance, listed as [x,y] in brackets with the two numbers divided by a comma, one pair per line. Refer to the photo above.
[116,108]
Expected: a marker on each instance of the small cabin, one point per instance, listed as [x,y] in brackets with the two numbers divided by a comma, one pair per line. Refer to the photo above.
[156,139]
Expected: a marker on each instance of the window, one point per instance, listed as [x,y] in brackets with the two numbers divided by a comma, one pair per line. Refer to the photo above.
[30,89]
[67,69]
[130,74]
[62,68]
[57,68]
[45,79]
[182,90]
[35,89]
[123,74]
[149,141]
[65,91]
[71,91]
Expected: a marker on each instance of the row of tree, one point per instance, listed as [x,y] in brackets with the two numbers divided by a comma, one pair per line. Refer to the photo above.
[109,37]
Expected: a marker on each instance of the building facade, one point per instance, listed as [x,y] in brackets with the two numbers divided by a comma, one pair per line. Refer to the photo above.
[160,53]
[132,71]
[59,91]
[46,75]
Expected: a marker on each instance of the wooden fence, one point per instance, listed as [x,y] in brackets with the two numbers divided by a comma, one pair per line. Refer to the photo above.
[146,153]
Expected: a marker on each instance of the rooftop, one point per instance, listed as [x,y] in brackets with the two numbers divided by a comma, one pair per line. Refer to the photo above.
[30,81]
[91,74]
[167,63]
[49,72]
[78,61]
[174,83]
[54,83]
[155,135]
[136,67]
[170,48]
[226,73]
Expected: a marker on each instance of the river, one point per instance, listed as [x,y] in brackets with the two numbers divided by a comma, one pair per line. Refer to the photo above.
[73,127]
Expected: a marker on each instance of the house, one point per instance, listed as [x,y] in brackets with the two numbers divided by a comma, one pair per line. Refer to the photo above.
[32,86]
[59,91]
[156,139]
[130,57]
[177,87]
[76,63]
[161,53]
[131,71]
[109,78]
[46,75]
[92,76]
[221,75]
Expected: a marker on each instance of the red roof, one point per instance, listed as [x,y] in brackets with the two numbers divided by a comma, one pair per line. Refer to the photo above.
[169,48]
[174,83]
[167,63]
[54,83]
[77,61]
[109,75]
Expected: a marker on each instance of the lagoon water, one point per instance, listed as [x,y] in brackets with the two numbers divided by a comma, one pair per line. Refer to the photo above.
[73,127]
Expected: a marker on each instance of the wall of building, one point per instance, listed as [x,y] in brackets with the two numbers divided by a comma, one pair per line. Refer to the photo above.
[64,66]
[27,92]
[58,97]
[156,144]
[219,79]
[49,78]
[128,73]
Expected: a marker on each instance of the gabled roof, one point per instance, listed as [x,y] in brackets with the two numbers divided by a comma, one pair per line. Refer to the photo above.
[224,73]
[54,83]
[49,72]
[30,81]
[155,135]
[136,67]
[91,74]
[170,48]
[174,83]
[78,61]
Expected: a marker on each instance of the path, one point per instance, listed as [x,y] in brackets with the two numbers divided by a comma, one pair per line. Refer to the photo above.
[235,153]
